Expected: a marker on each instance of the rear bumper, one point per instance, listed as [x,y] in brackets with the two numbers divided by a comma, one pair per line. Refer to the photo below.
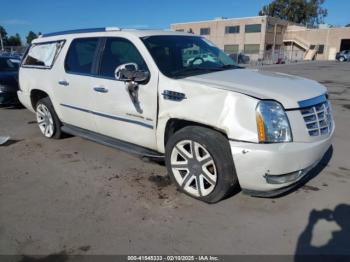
[24,98]
[273,169]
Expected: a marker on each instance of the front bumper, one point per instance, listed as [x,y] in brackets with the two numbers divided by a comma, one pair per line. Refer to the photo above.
[289,163]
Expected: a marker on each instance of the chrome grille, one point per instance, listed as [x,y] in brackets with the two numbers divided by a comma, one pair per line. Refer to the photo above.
[318,119]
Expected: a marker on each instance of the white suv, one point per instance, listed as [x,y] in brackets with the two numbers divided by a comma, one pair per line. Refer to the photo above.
[217,125]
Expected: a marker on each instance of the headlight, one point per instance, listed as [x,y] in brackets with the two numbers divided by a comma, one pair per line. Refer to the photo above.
[273,124]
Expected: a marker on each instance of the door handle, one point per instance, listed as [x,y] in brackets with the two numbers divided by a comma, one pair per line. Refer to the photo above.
[63,83]
[100,89]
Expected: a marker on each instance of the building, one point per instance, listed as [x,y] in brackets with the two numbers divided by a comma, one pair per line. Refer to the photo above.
[269,38]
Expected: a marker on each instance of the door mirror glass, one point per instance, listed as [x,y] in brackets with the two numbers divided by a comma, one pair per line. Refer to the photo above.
[129,72]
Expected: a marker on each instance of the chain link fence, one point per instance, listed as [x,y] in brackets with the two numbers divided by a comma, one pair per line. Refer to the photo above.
[268,57]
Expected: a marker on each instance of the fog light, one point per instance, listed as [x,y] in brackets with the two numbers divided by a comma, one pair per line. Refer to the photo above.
[285,178]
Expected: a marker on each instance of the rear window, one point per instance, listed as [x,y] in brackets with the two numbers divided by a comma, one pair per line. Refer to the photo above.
[43,55]
[80,55]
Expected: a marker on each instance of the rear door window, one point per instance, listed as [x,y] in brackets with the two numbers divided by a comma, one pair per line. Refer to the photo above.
[80,56]
[43,55]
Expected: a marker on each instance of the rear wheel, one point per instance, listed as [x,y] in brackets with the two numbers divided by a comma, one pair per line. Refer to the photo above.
[200,163]
[48,122]
[341,59]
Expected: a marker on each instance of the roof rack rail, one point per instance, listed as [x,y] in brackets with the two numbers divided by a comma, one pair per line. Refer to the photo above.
[87,30]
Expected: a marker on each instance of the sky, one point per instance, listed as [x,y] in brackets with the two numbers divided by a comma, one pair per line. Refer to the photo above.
[46,16]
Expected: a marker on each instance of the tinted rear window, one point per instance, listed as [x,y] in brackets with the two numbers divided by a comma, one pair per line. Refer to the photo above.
[43,54]
[80,55]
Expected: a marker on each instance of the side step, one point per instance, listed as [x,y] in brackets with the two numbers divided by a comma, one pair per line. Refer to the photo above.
[111,142]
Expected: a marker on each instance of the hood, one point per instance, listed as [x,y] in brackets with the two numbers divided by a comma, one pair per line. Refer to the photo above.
[286,89]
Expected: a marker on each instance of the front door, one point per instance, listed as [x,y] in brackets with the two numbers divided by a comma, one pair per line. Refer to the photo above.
[116,114]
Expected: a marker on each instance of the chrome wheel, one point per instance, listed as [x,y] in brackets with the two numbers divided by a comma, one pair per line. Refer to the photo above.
[193,168]
[45,121]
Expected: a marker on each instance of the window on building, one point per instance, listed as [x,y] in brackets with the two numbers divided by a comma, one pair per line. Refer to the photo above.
[270,27]
[268,47]
[254,28]
[320,49]
[43,55]
[251,48]
[81,55]
[119,51]
[279,29]
[232,29]
[179,30]
[231,49]
[205,31]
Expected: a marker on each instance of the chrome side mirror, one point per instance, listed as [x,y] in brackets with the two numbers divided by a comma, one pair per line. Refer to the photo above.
[129,72]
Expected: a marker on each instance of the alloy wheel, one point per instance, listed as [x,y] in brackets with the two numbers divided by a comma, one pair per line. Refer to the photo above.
[193,168]
[45,121]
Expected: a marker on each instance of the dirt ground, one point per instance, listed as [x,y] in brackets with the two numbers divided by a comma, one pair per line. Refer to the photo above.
[79,197]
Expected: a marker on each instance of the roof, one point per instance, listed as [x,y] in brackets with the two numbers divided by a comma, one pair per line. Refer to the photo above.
[217,20]
[105,31]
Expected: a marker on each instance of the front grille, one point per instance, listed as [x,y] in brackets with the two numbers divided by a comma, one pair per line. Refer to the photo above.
[318,119]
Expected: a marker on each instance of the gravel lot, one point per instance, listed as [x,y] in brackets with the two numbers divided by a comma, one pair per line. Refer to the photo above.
[79,197]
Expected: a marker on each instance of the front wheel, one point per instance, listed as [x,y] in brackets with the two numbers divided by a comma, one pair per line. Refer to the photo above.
[200,163]
[341,59]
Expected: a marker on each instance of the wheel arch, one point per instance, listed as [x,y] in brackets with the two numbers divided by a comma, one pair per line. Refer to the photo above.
[175,124]
[36,95]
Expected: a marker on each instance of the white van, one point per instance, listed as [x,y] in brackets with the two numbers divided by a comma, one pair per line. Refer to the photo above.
[217,125]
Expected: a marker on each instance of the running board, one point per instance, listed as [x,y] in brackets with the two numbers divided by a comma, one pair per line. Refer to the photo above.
[111,142]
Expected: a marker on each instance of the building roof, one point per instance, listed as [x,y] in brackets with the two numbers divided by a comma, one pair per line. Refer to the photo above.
[216,20]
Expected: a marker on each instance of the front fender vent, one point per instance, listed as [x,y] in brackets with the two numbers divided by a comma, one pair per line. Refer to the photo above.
[175,96]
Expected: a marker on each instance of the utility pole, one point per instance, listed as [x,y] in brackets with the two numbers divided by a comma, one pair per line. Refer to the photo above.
[2,43]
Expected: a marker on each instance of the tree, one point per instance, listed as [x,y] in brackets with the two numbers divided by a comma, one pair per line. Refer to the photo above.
[3,37]
[348,25]
[14,40]
[30,37]
[306,12]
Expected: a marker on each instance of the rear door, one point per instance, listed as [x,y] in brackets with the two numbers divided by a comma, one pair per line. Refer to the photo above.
[116,114]
[74,84]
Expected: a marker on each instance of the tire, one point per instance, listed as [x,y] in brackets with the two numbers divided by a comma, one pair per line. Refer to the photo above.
[200,163]
[48,122]
[341,59]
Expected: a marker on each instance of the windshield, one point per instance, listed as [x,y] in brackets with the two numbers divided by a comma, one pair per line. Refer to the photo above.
[180,56]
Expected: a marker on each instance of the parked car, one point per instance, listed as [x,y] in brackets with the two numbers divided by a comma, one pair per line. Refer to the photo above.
[240,58]
[216,125]
[343,56]
[9,80]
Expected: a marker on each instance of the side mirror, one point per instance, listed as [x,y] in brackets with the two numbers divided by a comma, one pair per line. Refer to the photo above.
[129,72]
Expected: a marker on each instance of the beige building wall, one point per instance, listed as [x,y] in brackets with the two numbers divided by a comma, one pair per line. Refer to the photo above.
[277,38]
[220,38]
[329,38]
